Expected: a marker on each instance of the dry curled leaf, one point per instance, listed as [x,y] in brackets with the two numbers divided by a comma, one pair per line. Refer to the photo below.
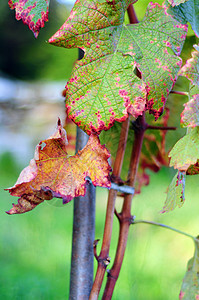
[53,173]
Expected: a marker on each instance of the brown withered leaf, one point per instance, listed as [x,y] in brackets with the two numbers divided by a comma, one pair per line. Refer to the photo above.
[53,173]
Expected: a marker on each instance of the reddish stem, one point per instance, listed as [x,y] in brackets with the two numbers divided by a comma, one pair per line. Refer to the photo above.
[132,15]
[103,257]
[125,216]
[179,93]
[161,127]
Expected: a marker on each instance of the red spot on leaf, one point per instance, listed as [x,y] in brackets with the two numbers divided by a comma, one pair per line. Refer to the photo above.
[123,93]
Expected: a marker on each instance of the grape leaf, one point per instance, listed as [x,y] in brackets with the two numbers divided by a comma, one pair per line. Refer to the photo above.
[187,12]
[190,115]
[176,2]
[186,151]
[175,193]
[32,12]
[190,285]
[103,87]
[52,173]
[191,69]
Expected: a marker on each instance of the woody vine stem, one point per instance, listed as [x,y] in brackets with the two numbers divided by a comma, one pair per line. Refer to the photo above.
[125,218]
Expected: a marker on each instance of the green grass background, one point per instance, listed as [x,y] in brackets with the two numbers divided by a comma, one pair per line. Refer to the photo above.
[35,248]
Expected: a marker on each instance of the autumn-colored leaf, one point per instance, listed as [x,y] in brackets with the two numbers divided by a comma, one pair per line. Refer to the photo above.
[186,12]
[32,12]
[191,69]
[190,285]
[190,115]
[186,151]
[52,173]
[175,193]
[103,87]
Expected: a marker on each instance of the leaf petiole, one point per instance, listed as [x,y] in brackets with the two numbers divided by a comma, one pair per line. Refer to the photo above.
[165,226]
[180,93]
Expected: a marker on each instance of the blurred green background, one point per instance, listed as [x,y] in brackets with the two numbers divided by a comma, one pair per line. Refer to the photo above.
[35,248]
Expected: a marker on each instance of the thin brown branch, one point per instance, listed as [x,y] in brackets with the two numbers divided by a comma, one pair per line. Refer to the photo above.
[104,254]
[117,214]
[125,216]
[179,93]
[95,249]
[165,226]
[161,127]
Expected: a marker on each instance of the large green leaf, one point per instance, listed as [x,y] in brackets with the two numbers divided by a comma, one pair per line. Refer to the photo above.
[175,193]
[32,12]
[186,151]
[187,12]
[103,87]
[190,285]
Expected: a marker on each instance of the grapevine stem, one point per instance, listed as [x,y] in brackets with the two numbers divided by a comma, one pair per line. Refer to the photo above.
[103,258]
[125,216]
[132,15]
[165,226]
[179,93]
[161,127]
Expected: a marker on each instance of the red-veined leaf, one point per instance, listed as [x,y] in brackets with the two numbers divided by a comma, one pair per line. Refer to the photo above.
[103,87]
